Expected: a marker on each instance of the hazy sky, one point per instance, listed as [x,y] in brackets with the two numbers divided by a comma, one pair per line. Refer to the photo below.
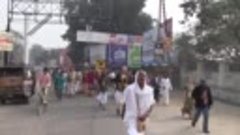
[50,35]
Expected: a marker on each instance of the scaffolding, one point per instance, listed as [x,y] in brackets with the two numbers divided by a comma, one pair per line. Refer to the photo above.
[163,45]
[38,12]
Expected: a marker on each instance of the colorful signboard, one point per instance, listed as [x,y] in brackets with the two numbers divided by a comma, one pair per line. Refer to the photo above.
[134,56]
[117,55]
[148,50]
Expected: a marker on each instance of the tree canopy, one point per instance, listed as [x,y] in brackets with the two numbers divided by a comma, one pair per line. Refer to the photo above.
[116,16]
[217,26]
[42,56]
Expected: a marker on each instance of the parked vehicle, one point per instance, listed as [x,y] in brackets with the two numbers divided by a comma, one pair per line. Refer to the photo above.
[14,86]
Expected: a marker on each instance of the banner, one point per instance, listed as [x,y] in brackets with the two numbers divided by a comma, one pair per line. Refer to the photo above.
[135,40]
[167,41]
[168,25]
[134,56]
[121,39]
[148,50]
[117,55]
[65,61]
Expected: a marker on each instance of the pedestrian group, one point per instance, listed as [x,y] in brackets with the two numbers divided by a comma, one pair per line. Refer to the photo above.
[136,93]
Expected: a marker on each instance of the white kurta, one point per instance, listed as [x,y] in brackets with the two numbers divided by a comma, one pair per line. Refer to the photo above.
[145,100]
[119,98]
[166,86]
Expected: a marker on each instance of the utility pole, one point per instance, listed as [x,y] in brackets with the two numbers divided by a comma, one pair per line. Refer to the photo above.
[34,12]
[160,54]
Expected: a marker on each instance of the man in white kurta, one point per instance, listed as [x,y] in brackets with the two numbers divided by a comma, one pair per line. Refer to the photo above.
[139,101]
[166,87]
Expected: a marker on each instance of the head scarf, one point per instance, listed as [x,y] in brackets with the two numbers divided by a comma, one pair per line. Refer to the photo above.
[138,73]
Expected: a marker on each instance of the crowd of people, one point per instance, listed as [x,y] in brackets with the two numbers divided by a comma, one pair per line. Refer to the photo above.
[135,93]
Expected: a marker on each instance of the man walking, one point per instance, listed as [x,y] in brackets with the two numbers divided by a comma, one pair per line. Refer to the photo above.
[122,80]
[44,82]
[203,101]
[166,87]
[139,103]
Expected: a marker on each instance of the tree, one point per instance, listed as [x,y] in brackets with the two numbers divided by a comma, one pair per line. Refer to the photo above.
[218,24]
[185,47]
[115,16]
[38,55]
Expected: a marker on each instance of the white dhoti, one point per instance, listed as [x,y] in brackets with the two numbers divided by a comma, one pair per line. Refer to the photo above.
[131,126]
[166,87]
[102,97]
[119,98]
[165,96]
[70,89]
[76,87]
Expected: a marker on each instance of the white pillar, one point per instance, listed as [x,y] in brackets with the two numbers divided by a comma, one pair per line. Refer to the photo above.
[183,74]
[222,69]
[200,71]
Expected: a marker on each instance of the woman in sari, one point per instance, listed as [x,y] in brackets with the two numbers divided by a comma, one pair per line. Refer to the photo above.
[188,102]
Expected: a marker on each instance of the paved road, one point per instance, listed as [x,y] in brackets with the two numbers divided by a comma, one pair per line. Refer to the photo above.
[79,116]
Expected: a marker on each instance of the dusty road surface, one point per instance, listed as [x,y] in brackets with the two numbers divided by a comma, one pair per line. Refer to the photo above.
[224,120]
[80,116]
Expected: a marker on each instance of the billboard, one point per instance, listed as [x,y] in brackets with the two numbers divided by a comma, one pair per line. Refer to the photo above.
[148,50]
[107,38]
[117,55]
[134,56]
[93,37]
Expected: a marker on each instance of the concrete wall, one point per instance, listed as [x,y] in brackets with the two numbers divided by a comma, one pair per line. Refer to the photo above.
[225,85]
